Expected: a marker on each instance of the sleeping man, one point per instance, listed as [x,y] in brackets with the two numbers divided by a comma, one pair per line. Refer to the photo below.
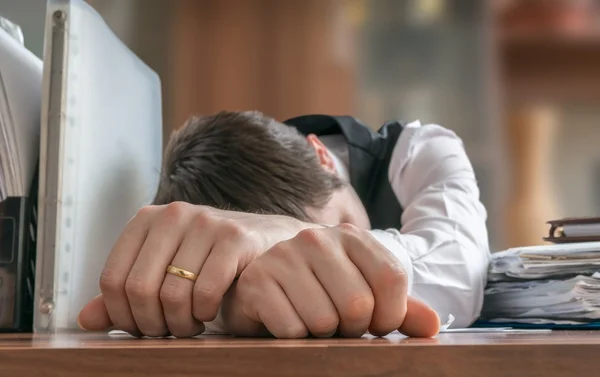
[311,227]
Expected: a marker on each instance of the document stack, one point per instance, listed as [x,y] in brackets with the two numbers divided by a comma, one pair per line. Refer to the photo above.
[556,286]
[20,102]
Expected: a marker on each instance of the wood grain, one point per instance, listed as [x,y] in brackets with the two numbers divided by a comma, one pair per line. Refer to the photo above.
[464,355]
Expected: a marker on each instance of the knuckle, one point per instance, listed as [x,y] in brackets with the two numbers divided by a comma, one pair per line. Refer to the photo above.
[205,291]
[175,210]
[393,275]
[206,302]
[359,307]
[316,244]
[232,229]
[201,220]
[110,282]
[137,289]
[325,325]
[353,233]
[312,238]
[349,228]
[172,295]
[294,331]
[146,211]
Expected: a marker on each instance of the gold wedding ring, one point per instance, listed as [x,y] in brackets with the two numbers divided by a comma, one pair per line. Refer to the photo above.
[181,273]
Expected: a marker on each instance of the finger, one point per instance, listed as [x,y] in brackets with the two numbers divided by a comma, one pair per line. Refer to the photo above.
[265,302]
[94,316]
[341,279]
[177,293]
[420,321]
[218,273]
[238,317]
[386,277]
[309,298]
[149,270]
[117,268]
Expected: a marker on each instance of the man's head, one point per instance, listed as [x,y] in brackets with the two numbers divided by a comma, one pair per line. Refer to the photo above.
[248,162]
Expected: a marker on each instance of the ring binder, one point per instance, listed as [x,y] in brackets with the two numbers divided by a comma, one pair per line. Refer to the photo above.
[100,156]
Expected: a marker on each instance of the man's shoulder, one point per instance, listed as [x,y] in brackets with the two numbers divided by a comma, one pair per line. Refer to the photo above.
[422,134]
[423,142]
[426,130]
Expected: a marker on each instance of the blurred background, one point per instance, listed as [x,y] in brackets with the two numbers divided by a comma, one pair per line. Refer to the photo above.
[518,80]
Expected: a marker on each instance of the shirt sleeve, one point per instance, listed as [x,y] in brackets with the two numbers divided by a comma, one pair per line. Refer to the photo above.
[443,242]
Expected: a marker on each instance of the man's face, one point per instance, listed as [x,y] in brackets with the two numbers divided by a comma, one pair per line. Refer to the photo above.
[344,207]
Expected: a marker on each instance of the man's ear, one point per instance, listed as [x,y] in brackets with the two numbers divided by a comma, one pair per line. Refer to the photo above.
[322,152]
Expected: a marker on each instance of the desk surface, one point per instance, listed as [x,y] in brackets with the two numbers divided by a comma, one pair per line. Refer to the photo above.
[464,355]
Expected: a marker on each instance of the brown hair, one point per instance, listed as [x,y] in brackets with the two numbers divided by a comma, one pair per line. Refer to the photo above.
[244,161]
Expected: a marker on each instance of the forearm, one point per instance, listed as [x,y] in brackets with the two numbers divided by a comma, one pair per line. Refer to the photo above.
[443,221]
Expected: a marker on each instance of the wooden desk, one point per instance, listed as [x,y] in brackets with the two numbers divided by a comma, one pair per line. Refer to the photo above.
[463,355]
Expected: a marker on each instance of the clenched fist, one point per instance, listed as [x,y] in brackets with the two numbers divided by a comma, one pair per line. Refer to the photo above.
[323,281]
[141,298]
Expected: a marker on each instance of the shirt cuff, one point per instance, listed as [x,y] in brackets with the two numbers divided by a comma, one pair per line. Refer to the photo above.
[388,238]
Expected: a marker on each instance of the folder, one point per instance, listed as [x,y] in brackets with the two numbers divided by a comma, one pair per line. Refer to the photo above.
[100,156]
[574,229]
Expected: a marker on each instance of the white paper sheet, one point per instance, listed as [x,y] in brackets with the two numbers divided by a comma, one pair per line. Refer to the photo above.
[552,283]
[20,103]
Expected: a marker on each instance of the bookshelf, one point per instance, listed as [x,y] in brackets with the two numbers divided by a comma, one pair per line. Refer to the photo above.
[549,52]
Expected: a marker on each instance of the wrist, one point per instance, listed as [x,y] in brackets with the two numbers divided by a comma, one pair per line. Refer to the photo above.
[282,228]
[296,226]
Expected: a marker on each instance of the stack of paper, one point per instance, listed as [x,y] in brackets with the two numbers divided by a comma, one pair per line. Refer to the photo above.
[20,106]
[554,284]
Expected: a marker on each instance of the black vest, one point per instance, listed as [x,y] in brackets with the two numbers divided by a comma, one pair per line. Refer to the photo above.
[370,154]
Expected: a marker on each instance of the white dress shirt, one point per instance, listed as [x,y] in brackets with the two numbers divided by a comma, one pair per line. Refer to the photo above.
[443,242]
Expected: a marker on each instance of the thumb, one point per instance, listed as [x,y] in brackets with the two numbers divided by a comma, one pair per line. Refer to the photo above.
[94,316]
[421,320]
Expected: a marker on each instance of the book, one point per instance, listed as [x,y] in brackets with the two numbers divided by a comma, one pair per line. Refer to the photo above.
[574,229]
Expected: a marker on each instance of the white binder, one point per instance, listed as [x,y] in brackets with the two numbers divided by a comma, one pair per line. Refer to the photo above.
[100,156]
